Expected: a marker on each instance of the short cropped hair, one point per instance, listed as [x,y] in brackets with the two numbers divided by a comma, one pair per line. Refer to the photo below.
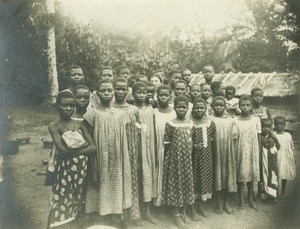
[279,118]
[230,88]
[141,76]
[164,87]
[200,100]
[100,82]
[256,89]
[245,98]
[266,121]
[184,69]
[173,72]
[218,98]
[181,98]
[204,84]
[120,68]
[64,94]
[74,66]
[181,81]
[121,80]
[78,87]
[138,85]
[157,75]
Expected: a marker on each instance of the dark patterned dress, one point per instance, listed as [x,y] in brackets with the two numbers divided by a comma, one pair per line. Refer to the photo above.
[203,135]
[178,187]
[67,190]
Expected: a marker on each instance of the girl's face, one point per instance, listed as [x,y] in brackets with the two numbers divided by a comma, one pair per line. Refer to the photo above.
[195,91]
[279,125]
[140,95]
[105,92]
[208,73]
[186,75]
[66,107]
[245,106]
[163,97]
[107,74]
[266,128]
[125,73]
[120,91]
[219,107]
[221,90]
[150,92]
[258,97]
[181,109]
[205,92]
[229,94]
[180,89]
[82,98]
[76,76]
[199,110]
[155,80]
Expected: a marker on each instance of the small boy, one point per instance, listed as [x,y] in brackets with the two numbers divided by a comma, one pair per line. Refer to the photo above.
[232,103]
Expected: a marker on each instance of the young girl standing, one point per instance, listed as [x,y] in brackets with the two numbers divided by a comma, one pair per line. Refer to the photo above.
[258,110]
[248,134]
[285,156]
[82,98]
[203,135]
[147,151]
[163,114]
[73,143]
[224,154]
[178,190]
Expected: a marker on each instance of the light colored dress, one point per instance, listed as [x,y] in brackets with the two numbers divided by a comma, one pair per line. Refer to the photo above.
[225,155]
[113,162]
[160,122]
[285,157]
[247,149]
[178,188]
[147,154]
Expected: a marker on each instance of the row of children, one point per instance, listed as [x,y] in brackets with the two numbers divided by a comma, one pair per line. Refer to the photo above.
[176,155]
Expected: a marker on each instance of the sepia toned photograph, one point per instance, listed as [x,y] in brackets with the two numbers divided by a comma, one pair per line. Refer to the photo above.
[149,114]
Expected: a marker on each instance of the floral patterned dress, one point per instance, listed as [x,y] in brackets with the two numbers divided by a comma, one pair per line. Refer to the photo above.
[67,190]
[203,135]
[178,187]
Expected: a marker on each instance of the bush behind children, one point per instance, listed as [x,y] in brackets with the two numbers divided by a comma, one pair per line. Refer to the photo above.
[136,142]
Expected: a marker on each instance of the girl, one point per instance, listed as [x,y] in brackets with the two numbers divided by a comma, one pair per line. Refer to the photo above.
[156,79]
[76,77]
[163,114]
[224,154]
[178,190]
[113,194]
[72,142]
[132,132]
[258,110]
[147,151]
[285,156]
[248,131]
[195,92]
[82,98]
[203,135]
[270,145]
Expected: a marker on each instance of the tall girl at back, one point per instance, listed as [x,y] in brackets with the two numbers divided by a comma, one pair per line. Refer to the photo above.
[73,143]
[248,129]
[224,155]
[203,134]
[285,155]
[163,113]
[178,190]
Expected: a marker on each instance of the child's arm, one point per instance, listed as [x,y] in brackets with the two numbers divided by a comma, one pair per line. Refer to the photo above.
[58,141]
[90,147]
[269,113]
[272,135]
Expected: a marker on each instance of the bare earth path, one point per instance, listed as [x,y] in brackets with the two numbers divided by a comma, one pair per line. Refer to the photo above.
[24,200]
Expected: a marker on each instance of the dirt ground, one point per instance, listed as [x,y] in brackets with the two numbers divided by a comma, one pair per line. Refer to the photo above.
[25,201]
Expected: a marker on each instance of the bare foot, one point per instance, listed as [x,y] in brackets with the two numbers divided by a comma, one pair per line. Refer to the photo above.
[139,222]
[219,210]
[201,211]
[252,205]
[185,218]
[151,219]
[228,210]
[195,216]
[162,216]
[178,221]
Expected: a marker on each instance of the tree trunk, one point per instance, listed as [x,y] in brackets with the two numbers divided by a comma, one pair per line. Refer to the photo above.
[51,56]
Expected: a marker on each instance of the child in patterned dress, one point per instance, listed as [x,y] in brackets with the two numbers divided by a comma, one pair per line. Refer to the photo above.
[73,143]
[203,134]
[178,189]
